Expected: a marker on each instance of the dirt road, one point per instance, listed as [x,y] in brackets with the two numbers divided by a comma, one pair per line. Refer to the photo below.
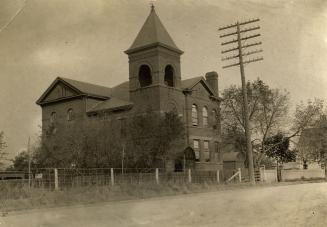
[291,205]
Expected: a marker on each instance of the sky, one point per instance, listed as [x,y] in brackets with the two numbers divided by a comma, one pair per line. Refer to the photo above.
[85,40]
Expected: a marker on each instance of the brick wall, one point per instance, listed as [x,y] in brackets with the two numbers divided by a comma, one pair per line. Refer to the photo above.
[61,108]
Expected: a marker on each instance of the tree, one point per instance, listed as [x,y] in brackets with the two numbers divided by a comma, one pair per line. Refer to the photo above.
[81,144]
[141,141]
[268,115]
[280,152]
[312,144]
[306,116]
[3,146]
[309,145]
[20,162]
[154,139]
[267,111]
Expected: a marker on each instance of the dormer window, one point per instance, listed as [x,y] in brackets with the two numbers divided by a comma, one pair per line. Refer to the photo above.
[145,77]
[169,76]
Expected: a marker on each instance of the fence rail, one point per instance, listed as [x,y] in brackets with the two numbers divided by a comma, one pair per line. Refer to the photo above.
[55,179]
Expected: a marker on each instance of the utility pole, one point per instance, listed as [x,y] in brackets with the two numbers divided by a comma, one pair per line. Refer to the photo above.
[122,159]
[29,162]
[237,31]
[123,139]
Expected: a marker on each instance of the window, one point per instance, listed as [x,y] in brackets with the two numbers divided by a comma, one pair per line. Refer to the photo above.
[195,120]
[206,151]
[196,150]
[217,151]
[205,116]
[53,117]
[145,77]
[214,118]
[169,76]
[70,115]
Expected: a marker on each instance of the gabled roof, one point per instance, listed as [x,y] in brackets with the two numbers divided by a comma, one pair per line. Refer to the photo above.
[88,88]
[81,88]
[111,104]
[189,84]
[153,33]
[121,91]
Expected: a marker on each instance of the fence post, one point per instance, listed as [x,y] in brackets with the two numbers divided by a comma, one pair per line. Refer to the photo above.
[239,175]
[56,181]
[189,176]
[218,180]
[112,176]
[157,175]
[263,173]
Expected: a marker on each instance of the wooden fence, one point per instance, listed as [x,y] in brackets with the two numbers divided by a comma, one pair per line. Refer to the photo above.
[61,179]
[304,174]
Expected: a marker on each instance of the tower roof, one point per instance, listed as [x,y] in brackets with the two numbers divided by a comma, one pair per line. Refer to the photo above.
[153,33]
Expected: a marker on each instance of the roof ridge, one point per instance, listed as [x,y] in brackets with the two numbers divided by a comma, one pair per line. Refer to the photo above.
[155,23]
[81,81]
[196,80]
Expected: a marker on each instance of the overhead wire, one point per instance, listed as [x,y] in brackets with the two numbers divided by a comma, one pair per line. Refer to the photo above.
[13,17]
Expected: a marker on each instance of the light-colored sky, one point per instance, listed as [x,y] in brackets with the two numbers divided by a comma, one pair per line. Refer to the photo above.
[85,40]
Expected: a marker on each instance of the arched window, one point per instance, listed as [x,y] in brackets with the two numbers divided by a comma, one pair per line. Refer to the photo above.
[195,120]
[70,115]
[214,118]
[145,77]
[169,76]
[53,117]
[205,116]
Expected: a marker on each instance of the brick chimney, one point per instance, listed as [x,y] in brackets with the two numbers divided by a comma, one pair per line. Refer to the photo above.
[212,80]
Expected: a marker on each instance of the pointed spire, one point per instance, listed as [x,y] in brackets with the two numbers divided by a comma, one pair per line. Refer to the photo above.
[153,33]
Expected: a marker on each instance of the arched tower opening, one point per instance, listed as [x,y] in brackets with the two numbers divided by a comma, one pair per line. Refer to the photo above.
[145,77]
[169,76]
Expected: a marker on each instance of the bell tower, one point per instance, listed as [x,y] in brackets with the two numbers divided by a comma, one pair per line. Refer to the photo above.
[154,63]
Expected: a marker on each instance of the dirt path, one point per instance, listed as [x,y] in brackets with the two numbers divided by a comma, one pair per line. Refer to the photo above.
[291,205]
